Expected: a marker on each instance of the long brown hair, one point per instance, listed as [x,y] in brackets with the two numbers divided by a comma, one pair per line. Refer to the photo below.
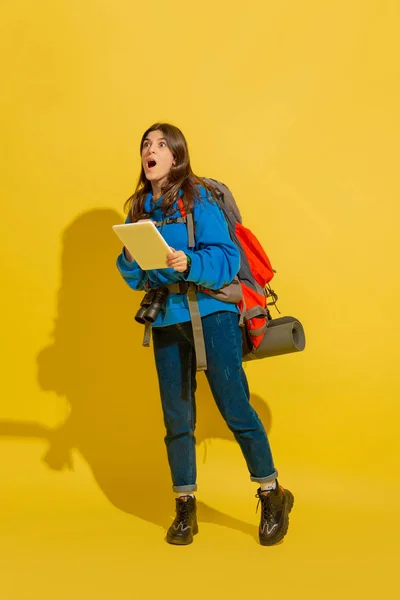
[180,176]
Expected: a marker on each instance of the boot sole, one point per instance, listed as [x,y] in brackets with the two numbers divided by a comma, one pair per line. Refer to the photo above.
[289,501]
[179,541]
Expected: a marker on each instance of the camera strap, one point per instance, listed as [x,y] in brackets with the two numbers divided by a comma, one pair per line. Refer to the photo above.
[146,335]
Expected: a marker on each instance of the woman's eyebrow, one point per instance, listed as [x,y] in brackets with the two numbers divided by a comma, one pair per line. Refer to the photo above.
[158,139]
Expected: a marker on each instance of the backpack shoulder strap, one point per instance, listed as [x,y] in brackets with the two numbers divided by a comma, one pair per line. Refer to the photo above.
[190,228]
[229,205]
[189,222]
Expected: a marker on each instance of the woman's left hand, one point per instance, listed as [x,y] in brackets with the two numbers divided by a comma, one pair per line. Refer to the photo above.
[177,260]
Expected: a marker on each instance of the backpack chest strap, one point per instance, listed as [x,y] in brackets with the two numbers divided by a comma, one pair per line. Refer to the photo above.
[170,221]
[184,219]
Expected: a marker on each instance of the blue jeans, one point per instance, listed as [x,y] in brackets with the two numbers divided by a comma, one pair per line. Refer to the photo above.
[176,367]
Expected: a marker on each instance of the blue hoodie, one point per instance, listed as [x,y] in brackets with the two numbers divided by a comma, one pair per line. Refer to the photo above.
[215,259]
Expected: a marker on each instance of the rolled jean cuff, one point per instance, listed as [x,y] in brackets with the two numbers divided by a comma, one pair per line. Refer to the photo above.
[265,479]
[184,488]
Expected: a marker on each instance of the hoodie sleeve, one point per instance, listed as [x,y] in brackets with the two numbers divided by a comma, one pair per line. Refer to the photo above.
[215,259]
[134,276]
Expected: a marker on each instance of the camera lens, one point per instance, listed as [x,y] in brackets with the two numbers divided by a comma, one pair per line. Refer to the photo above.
[153,310]
[139,317]
[144,305]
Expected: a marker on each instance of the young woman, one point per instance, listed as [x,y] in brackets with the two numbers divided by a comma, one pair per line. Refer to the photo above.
[166,179]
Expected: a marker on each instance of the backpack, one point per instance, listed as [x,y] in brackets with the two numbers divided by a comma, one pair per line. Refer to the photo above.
[254,276]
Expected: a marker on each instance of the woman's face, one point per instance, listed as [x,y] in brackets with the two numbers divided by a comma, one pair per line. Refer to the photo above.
[157,158]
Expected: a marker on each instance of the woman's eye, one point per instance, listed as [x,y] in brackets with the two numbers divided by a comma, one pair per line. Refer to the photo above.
[163,144]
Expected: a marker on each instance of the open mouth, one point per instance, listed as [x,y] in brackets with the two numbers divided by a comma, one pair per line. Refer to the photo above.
[151,164]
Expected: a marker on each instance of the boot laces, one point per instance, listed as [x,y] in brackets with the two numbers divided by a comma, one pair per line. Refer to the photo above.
[267,507]
[182,511]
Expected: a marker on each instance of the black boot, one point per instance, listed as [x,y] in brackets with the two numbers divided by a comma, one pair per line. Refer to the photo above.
[185,525]
[275,509]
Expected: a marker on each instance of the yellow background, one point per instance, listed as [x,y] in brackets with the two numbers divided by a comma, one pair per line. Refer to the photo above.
[294,105]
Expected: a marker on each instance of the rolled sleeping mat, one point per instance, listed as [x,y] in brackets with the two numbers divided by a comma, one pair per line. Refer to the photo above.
[283,336]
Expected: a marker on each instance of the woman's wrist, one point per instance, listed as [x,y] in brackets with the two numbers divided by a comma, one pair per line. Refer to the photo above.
[189,264]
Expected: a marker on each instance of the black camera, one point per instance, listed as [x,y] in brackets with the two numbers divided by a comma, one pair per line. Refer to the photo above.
[151,305]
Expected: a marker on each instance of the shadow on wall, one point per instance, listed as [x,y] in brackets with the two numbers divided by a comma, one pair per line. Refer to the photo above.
[97,362]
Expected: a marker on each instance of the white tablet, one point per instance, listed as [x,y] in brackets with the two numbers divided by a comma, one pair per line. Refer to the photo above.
[145,243]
